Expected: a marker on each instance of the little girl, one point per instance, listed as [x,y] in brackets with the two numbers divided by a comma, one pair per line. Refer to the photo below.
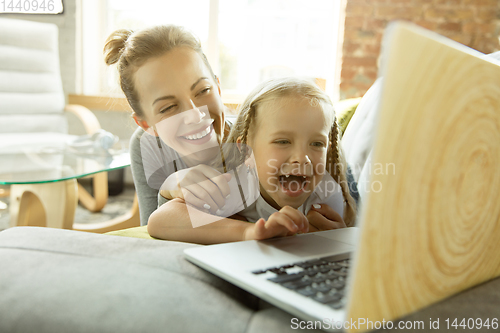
[291,128]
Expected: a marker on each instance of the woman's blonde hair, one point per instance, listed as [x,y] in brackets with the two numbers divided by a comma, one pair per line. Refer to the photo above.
[132,49]
[294,87]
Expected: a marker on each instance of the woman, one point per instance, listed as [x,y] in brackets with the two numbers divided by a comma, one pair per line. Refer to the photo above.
[164,72]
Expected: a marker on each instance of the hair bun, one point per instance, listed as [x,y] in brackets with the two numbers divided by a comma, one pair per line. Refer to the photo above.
[115,44]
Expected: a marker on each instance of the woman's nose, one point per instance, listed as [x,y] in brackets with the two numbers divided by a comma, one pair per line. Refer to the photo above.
[194,115]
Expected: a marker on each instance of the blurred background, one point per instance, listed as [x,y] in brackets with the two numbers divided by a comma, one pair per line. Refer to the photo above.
[336,42]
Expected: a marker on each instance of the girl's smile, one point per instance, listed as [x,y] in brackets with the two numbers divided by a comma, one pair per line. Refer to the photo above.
[294,185]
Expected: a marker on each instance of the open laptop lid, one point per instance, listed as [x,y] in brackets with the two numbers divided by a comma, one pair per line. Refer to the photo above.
[432,229]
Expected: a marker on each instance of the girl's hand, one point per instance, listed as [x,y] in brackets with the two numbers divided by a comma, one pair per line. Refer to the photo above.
[323,217]
[288,221]
[201,187]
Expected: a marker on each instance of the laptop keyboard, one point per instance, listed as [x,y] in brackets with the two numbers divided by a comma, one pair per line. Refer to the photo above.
[322,280]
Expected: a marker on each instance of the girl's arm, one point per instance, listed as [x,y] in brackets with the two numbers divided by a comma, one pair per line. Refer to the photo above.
[172,221]
[323,217]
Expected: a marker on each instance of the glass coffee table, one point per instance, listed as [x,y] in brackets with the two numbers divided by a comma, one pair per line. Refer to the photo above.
[44,190]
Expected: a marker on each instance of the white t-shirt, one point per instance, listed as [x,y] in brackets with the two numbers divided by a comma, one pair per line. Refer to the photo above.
[327,192]
[159,160]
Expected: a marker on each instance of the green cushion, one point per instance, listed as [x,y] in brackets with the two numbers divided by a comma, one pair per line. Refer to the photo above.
[345,110]
[137,232]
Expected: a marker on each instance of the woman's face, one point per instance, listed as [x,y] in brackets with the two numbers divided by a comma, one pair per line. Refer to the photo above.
[181,102]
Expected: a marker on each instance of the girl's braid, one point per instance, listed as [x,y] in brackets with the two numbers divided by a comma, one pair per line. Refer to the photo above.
[339,174]
[245,128]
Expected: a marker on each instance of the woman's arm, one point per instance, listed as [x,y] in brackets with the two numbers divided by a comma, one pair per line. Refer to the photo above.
[173,221]
[199,186]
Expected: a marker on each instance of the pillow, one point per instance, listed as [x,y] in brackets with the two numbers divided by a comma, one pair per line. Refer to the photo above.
[345,110]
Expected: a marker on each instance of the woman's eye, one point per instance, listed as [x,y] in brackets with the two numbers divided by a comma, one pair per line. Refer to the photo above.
[168,108]
[204,91]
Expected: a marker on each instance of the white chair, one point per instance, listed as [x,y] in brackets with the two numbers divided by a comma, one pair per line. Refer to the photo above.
[32,101]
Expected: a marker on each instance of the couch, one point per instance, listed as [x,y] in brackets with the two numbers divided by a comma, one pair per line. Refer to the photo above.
[54,280]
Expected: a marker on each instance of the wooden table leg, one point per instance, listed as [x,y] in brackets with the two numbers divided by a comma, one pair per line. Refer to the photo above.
[100,188]
[129,220]
[4,193]
[45,204]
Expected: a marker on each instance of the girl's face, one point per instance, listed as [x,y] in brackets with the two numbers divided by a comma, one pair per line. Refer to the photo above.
[181,103]
[290,142]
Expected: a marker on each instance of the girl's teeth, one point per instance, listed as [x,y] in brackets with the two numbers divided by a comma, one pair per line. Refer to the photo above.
[301,176]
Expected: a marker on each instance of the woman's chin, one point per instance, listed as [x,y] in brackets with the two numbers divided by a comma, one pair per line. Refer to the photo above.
[205,155]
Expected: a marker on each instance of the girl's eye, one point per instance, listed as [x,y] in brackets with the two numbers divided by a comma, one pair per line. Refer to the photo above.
[167,109]
[282,142]
[318,144]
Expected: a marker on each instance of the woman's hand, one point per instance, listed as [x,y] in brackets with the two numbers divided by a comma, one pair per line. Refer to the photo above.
[201,186]
[323,217]
[288,221]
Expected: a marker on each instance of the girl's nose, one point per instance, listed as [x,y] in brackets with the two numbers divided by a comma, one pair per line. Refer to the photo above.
[193,116]
[300,157]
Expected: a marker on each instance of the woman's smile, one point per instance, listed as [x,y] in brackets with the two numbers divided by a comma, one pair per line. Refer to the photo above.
[182,101]
[198,137]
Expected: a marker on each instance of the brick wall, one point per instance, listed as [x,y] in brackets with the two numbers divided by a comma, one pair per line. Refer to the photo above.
[475,23]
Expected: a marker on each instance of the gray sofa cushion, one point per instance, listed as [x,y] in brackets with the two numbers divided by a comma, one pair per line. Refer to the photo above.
[66,281]
[55,280]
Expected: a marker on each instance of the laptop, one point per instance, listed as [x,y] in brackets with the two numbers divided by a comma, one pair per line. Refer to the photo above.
[430,231]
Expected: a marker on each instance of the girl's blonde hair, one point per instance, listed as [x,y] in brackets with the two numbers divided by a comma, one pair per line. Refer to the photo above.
[132,49]
[293,87]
